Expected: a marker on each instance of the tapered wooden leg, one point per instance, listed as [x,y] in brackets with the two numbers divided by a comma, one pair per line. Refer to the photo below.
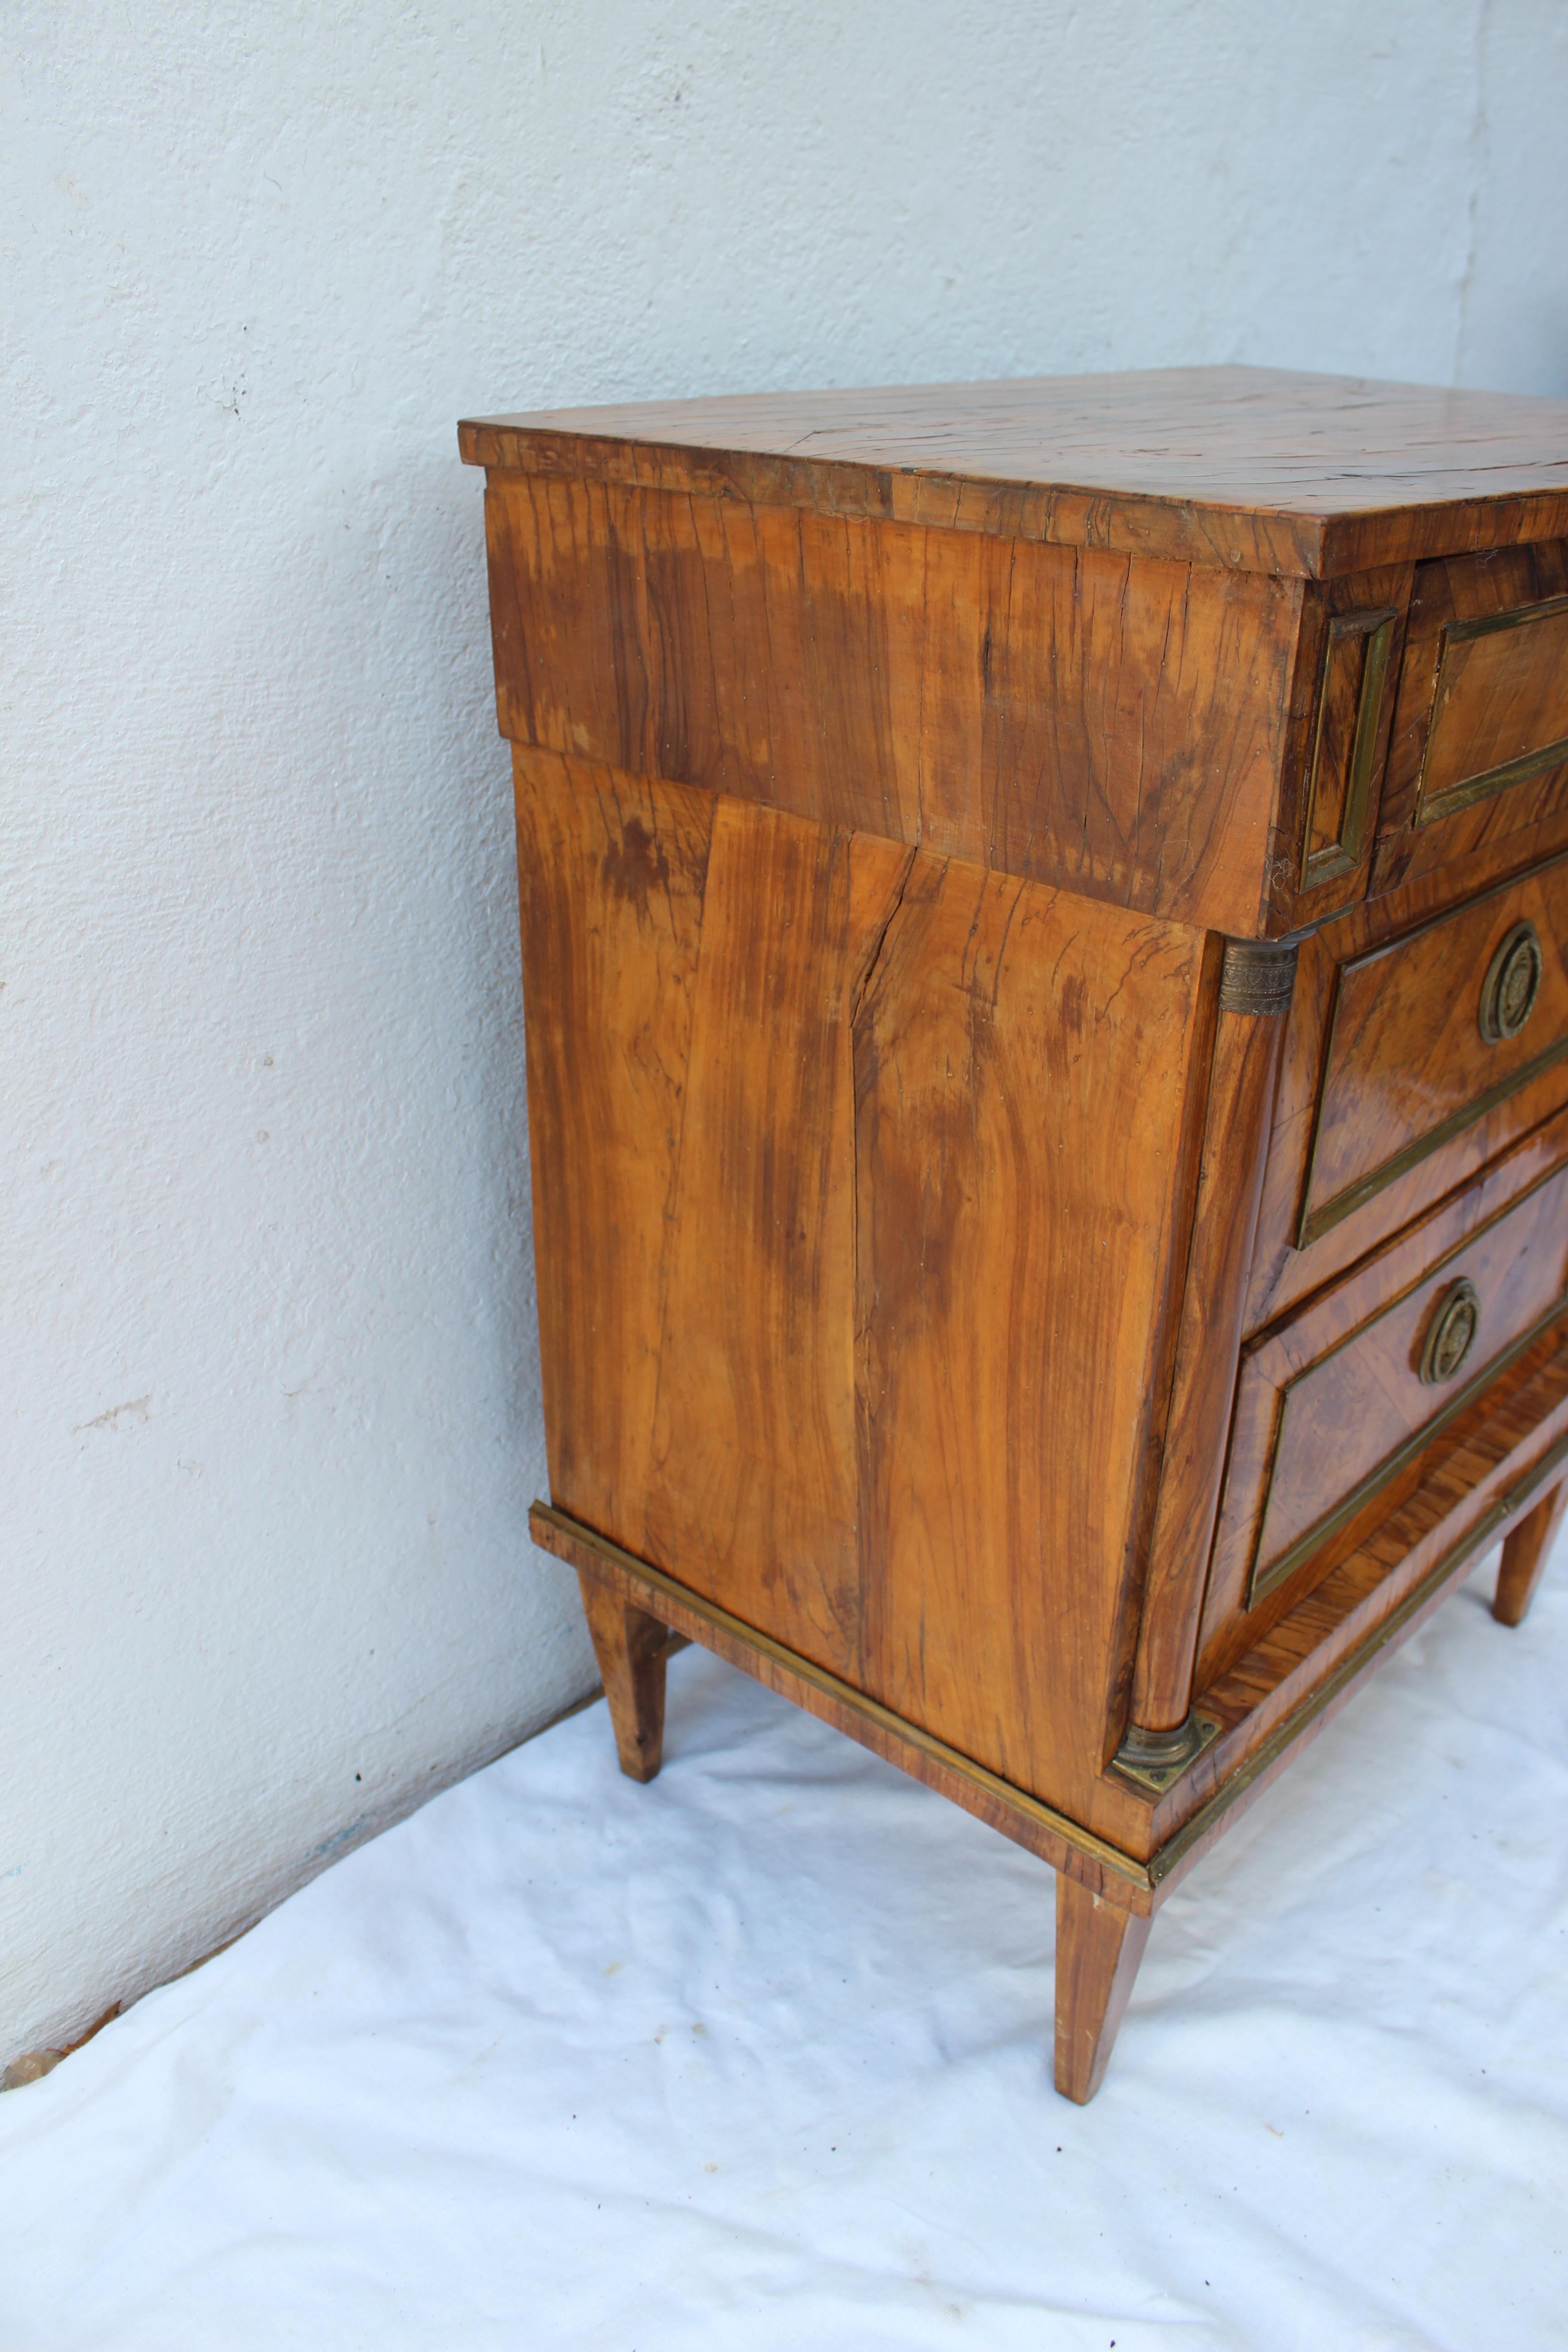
[631,1648]
[1098,1947]
[1524,1555]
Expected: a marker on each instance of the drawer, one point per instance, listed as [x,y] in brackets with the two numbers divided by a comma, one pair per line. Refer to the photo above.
[1480,742]
[1499,707]
[1336,1404]
[1431,1031]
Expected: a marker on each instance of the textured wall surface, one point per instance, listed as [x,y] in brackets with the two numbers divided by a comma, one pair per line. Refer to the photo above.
[271,1398]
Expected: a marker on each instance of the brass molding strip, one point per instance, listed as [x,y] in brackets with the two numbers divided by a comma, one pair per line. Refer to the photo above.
[1167,1857]
[1493,780]
[1323,1530]
[1367,1188]
[1488,781]
[1145,1879]
[1000,1792]
[1257,976]
[1343,855]
[1310,1226]
[1518,616]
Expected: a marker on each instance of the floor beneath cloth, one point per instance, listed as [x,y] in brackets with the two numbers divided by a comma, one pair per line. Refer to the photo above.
[756,2059]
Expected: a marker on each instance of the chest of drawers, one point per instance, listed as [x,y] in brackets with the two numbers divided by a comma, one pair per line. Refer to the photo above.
[1045,920]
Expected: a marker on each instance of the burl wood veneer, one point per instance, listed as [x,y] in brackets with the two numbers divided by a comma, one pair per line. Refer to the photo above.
[1044,916]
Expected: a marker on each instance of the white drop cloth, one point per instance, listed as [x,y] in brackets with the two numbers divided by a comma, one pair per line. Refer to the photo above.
[756,2058]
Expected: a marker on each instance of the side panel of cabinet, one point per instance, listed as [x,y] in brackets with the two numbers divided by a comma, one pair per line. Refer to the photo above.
[611,879]
[860,1176]
[689,969]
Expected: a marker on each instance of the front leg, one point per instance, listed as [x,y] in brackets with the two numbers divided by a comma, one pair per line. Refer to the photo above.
[1098,1947]
[1524,1555]
[631,1648]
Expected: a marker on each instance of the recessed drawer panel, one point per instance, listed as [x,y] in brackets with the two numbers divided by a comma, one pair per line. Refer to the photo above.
[1499,714]
[1346,1393]
[1478,745]
[1430,1032]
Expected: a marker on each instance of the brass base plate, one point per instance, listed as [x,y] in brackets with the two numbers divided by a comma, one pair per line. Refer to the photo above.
[1158,1777]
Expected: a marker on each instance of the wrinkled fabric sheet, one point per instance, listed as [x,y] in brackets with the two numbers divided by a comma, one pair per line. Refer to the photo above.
[758,2057]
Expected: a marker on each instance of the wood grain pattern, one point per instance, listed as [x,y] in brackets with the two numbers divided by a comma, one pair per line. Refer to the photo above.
[630,1647]
[1098,1947]
[787,1170]
[1406,1061]
[1059,713]
[1525,1554]
[1026,1068]
[754,1467]
[1053,1836]
[1322,740]
[1251,469]
[690,976]
[1242,1078]
[1499,713]
[1283,1271]
[1329,1394]
[1510,1444]
[611,879]
[1510,1449]
[1418,836]
[1360,1396]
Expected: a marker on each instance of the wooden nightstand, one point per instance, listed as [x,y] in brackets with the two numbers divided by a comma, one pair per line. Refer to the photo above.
[1045,910]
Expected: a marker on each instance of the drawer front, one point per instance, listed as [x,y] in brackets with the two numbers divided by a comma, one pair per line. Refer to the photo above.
[1344,1396]
[1500,710]
[1479,743]
[1430,1032]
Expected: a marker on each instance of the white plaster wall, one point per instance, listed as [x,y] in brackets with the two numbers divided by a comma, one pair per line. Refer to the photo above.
[271,1398]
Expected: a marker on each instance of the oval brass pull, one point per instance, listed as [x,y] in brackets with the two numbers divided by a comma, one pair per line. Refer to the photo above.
[1511,985]
[1451,1334]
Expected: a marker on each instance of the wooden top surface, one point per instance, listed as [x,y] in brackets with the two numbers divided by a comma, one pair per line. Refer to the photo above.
[1256,468]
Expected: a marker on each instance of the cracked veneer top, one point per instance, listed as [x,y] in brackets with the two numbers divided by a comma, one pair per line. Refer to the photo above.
[1256,469]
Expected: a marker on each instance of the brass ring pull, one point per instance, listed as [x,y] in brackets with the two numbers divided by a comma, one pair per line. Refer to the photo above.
[1511,985]
[1451,1334]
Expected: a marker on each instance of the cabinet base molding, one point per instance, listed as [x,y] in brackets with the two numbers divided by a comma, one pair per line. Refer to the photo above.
[1064,1844]
[639,1615]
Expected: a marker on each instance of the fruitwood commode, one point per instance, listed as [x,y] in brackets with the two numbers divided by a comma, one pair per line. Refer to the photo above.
[1044,913]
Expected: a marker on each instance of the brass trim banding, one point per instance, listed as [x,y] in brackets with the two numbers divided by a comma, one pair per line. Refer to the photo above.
[701,1611]
[1144,1880]
[1166,1858]
[1366,1188]
[1494,780]
[1343,855]
[1468,790]
[1312,1222]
